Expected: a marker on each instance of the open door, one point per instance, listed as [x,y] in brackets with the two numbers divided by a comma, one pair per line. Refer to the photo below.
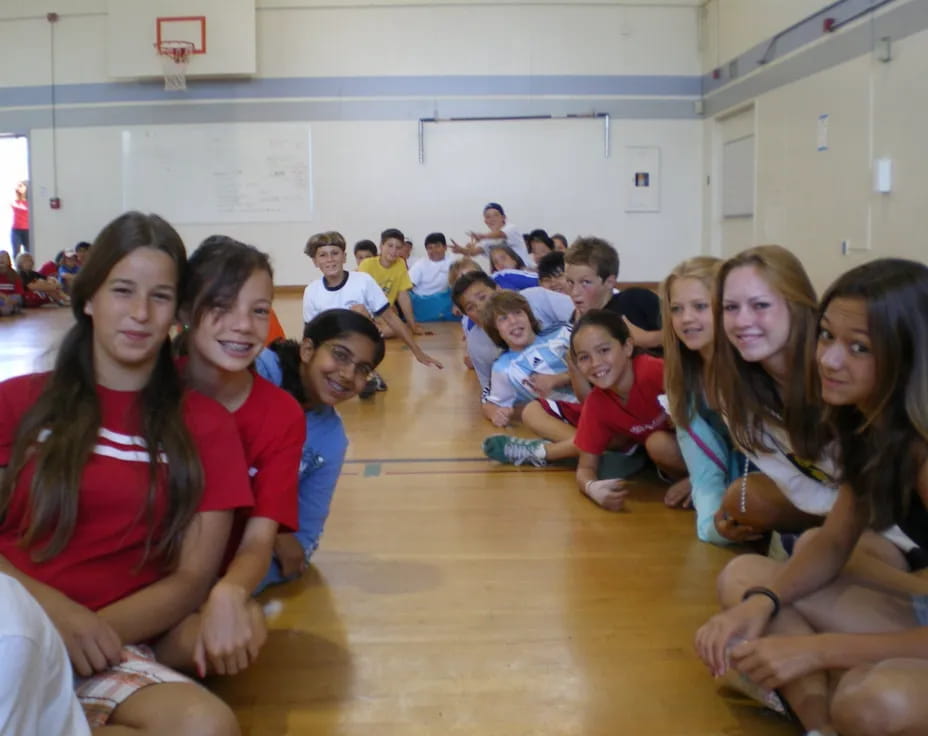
[14,168]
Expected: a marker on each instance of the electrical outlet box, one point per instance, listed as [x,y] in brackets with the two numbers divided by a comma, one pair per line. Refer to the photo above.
[883,175]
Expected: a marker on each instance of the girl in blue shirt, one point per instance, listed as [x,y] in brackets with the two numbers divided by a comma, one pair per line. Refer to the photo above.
[339,351]
[711,459]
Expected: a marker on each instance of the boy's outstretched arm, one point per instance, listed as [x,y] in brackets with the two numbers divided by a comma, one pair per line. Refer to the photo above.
[399,327]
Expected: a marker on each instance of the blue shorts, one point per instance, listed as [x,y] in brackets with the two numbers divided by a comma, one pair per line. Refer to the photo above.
[920,604]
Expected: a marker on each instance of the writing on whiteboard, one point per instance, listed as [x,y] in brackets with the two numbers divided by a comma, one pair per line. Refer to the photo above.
[244,172]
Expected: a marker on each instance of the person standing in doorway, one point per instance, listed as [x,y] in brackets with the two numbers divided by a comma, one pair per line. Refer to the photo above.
[19,235]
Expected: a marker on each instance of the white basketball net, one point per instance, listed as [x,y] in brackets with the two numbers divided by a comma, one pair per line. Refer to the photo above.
[175,57]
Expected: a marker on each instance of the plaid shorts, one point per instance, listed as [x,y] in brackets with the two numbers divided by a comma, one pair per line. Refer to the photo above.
[99,694]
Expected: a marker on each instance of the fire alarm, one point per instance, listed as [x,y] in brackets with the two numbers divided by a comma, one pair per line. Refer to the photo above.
[716,73]
[55,203]
[828,25]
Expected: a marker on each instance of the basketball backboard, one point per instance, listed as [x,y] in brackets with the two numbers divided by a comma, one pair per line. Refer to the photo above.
[221,31]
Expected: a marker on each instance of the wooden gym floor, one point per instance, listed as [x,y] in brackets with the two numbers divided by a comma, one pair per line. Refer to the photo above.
[453,596]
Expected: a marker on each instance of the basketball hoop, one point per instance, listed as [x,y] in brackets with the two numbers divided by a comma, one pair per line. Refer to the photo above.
[175,57]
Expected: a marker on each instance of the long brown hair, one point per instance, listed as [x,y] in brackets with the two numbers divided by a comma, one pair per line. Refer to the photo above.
[744,391]
[884,444]
[68,413]
[684,370]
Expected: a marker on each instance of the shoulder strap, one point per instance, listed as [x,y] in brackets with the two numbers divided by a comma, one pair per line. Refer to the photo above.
[707,450]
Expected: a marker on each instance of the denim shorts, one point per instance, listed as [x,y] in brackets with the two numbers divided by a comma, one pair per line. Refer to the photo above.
[920,604]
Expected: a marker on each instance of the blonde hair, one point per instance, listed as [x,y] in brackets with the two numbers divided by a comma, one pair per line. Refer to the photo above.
[744,391]
[461,266]
[684,369]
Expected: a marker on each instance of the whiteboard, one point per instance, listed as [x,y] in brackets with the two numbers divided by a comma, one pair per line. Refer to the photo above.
[738,177]
[222,173]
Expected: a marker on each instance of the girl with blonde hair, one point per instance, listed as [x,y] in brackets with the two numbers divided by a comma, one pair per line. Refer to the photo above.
[712,461]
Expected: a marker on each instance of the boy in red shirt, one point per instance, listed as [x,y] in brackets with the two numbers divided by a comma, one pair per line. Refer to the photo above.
[621,412]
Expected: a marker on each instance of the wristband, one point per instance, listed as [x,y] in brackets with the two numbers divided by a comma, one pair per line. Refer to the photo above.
[761,590]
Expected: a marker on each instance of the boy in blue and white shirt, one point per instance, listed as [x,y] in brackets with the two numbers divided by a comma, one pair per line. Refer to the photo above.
[530,379]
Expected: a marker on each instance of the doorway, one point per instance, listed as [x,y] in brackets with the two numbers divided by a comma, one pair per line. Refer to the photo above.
[734,169]
[14,168]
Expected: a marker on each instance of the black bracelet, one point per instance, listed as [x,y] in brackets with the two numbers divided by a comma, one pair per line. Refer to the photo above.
[761,590]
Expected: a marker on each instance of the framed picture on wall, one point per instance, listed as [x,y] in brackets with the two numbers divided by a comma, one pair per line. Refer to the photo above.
[643,179]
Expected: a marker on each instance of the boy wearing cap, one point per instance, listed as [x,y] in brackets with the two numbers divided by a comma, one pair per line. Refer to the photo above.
[67,269]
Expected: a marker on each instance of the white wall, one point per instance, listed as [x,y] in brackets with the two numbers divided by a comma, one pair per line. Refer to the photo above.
[469,38]
[810,200]
[730,27]
[366,175]
[550,174]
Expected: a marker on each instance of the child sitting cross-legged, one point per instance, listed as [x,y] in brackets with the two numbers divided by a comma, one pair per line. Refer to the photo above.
[363,250]
[390,273]
[531,376]
[621,412]
[431,293]
[509,271]
[551,272]
[354,290]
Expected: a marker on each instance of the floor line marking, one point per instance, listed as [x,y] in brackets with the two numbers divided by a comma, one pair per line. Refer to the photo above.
[384,460]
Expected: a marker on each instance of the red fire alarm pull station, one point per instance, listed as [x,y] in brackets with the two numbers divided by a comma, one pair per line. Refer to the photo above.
[54,203]
[828,25]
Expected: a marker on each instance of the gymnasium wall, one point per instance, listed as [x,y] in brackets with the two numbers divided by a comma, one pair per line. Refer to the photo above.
[807,199]
[361,76]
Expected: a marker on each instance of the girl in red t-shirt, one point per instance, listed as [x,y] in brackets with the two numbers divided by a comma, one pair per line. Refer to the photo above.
[622,411]
[226,305]
[117,542]
[19,234]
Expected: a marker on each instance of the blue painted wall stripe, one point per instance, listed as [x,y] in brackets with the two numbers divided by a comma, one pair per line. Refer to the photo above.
[374,87]
[22,120]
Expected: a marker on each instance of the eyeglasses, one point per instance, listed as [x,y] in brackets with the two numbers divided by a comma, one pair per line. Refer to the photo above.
[345,358]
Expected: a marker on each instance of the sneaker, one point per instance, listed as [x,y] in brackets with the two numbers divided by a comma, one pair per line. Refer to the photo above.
[370,388]
[515,450]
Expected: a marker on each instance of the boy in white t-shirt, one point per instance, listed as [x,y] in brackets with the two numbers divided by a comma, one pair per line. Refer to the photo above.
[37,682]
[353,290]
[498,233]
[431,294]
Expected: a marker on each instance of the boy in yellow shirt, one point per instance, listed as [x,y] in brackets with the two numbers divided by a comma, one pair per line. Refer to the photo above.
[389,271]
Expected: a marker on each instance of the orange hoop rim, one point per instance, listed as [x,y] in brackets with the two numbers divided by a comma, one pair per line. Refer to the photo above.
[178,51]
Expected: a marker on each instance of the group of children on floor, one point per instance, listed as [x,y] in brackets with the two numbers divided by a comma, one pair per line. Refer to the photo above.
[421,291]
[769,411]
[23,286]
[150,487]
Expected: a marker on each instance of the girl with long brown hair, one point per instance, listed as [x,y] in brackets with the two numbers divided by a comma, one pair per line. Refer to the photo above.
[226,306]
[844,636]
[118,487]
[763,380]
